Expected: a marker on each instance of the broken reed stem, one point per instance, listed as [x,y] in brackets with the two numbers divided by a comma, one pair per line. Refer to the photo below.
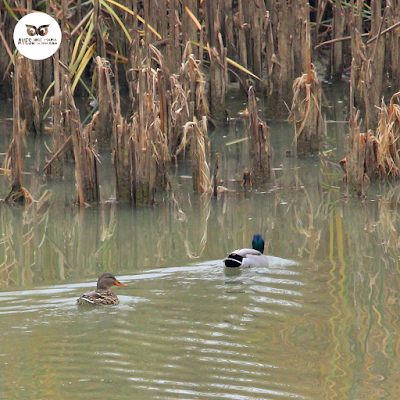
[122,159]
[198,155]
[305,114]
[215,180]
[122,154]
[18,125]
[85,156]
[14,154]
[372,158]
[30,107]
[104,128]
[55,166]
[57,153]
[148,139]
[259,145]
[355,158]
[388,136]
[218,79]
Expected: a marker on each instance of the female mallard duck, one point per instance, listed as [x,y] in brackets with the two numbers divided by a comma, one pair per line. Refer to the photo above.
[102,295]
[248,257]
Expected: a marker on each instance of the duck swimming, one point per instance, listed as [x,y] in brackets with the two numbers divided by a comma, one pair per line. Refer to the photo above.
[102,295]
[248,257]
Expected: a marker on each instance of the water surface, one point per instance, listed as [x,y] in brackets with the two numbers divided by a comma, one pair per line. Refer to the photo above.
[321,322]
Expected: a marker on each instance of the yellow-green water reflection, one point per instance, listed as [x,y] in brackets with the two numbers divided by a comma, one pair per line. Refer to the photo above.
[320,322]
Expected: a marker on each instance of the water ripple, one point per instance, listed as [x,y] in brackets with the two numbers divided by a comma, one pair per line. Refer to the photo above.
[178,333]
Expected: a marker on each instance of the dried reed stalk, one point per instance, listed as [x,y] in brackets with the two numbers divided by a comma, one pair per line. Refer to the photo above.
[148,140]
[338,27]
[375,75]
[197,134]
[259,145]
[306,113]
[355,158]
[122,159]
[388,136]
[163,104]
[104,128]
[393,44]
[187,99]
[290,54]
[14,155]
[19,125]
[215,175]
[30,103]
[55,166]
[194,83]
[259,22]
[18,194]
[368,65]
[85,156]
[218,79]
[190,21]
[241,40]
[372,158]
[358,55]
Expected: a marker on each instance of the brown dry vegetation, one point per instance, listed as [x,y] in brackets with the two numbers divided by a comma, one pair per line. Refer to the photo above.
[178,58]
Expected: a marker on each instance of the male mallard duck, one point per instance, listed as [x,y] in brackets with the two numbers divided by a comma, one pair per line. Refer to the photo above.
[102,295]
[248,257]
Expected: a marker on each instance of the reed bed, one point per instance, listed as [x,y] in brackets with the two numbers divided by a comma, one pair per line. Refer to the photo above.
[374,157]
[179,60]
[388,136]
[248,41]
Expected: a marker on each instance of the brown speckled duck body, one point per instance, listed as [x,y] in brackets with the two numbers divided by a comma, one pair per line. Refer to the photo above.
[102,295]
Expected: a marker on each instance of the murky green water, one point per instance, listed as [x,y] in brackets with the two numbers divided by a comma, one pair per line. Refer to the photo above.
[321,322]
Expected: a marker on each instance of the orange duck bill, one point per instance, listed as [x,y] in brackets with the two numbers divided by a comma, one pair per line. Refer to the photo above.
[118,283]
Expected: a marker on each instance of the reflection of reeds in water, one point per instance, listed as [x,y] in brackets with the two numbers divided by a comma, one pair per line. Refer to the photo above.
[387,224]
[22,235]
[364,290]
[195,242]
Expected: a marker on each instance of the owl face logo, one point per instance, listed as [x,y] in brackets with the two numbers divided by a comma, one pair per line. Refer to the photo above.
[42,30]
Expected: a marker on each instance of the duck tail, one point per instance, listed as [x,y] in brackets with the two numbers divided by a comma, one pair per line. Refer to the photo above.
[233,260]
